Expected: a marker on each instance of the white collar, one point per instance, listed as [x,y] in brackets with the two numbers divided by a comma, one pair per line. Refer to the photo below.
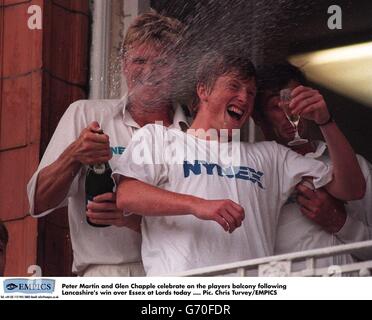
[321,148]
[179,120]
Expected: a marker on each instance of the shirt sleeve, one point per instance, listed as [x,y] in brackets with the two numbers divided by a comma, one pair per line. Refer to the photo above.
[67,131]
[143,159]
[358,225]
[293,167]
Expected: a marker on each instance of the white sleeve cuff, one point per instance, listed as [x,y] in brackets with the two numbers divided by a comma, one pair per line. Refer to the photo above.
[353,230]
[127,214]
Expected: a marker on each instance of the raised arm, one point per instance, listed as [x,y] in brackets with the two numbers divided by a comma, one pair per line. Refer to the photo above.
[348,182]
[144,199]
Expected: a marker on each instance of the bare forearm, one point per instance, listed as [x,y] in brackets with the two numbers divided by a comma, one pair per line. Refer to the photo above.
[141,198]
[92,146]
[54,181]
[348,180]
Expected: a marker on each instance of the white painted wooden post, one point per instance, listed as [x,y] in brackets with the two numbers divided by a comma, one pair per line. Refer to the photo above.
[100,49]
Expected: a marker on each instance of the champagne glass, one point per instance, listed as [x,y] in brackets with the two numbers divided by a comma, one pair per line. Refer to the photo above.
[294,119]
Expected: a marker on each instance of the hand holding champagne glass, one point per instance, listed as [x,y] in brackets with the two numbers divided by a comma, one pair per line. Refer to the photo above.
[294,119]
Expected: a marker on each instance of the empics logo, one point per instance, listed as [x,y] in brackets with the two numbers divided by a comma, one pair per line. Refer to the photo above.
[11,286]
[29,286]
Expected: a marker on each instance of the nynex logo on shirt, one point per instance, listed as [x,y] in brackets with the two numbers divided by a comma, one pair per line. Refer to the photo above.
[117,150]
[244,173]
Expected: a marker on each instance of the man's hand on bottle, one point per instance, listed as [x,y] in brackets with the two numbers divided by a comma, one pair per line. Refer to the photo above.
[103,210]
[226,213]
[92,146]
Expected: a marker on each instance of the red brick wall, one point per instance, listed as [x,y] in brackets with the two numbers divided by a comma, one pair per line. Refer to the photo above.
[41,73]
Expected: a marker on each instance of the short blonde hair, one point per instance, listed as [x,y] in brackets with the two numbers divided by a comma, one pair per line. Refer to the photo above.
[153,27]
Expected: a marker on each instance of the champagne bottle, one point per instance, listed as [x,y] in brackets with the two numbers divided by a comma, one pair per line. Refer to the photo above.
[98,181]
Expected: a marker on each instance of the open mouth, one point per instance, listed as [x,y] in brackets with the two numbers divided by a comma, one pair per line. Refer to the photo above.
[235,112]
[150,82]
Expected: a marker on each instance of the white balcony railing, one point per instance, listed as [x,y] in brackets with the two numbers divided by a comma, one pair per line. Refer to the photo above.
[281,265]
